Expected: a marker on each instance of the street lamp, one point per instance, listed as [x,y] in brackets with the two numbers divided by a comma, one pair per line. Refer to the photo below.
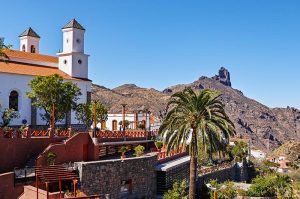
[123,122]
[53,116]
[51,131]
[147,112]
[215,190]
[94,120]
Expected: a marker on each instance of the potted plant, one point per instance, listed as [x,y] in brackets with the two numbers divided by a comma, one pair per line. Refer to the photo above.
[123,150]
[69,194]
[159,145]
[139,150]
[51,158]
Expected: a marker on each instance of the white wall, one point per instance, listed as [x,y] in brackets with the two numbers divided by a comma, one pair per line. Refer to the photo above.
[28,42]
[130,117]
[9,82]
[73,40]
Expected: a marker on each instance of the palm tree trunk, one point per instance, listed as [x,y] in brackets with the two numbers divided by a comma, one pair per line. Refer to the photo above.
[193,166]
[210,149]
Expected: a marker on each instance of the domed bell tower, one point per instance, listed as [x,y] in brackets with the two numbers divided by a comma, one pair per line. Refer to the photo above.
[72,60]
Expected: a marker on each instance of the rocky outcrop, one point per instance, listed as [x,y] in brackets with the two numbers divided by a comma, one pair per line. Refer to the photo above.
[223,77]
[267,127]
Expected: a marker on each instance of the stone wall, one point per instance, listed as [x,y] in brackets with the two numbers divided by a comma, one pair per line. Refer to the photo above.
[238,172]
[221,175]
[106,177]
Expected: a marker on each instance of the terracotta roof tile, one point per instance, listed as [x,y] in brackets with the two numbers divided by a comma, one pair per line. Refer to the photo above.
[30,56]
[32,70]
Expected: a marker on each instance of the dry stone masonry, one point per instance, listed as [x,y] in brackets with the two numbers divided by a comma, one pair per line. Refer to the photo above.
[131,178]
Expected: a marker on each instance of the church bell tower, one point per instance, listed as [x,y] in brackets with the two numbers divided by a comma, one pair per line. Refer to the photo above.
[72,60]
[29,41]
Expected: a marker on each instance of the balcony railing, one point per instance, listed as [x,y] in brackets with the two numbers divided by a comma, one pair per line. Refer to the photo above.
[163,156]
[28,133]
[122,134]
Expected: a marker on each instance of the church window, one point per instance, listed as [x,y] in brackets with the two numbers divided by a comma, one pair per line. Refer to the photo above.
[67,40]
[78,41]
[32,49]
[79,61]
[23,48]
[14,100]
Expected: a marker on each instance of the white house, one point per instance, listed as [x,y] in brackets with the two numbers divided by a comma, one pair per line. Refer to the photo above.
[114,121]
[26,63]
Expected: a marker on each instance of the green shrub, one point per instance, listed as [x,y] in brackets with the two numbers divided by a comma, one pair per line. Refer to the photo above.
[127,123]
[8,115]
[239,150]
[179,191]
[51,158]
[123,149]
[159,144]
[228,192]
[270,185]
[139,150]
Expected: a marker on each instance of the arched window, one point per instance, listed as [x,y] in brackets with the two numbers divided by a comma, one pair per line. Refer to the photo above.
[114,125]
[103,125]
[14,100]
[32,49]
[23,48]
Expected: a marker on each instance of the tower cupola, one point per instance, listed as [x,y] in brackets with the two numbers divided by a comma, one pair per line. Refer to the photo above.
[29,41]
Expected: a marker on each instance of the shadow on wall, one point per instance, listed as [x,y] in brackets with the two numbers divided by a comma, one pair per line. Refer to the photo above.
[15,152]
[79,147]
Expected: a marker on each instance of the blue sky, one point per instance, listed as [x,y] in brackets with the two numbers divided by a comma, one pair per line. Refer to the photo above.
[158,43]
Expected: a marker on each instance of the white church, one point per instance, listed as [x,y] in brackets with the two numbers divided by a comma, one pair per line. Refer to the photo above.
[26,63]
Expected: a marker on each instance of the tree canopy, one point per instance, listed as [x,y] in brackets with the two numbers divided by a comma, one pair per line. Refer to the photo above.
[52,89]
[85,113]
[2,48]
[191,117]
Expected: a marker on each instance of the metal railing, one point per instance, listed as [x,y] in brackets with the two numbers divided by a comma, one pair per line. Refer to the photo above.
[122,134]
[24,175]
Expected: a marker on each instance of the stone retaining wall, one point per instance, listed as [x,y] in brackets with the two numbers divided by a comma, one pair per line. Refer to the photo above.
[106,177]
[221,175]
[238,172]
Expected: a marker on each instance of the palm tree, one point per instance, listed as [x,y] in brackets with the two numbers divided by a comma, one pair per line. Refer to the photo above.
[190,117]
[216,142]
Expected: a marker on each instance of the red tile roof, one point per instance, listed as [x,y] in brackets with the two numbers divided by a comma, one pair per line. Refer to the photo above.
[15,67]
[30,56]
[32,70]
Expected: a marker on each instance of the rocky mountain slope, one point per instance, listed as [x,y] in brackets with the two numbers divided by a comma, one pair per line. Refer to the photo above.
[267,127]
[289,149]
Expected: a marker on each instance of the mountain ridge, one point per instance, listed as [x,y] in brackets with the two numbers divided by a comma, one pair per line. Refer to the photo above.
[267,127]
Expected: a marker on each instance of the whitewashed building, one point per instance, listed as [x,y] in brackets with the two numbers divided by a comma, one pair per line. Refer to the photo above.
[26,63]
[136,120]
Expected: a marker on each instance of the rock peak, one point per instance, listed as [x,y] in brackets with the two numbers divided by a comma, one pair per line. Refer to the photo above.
[223,77]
